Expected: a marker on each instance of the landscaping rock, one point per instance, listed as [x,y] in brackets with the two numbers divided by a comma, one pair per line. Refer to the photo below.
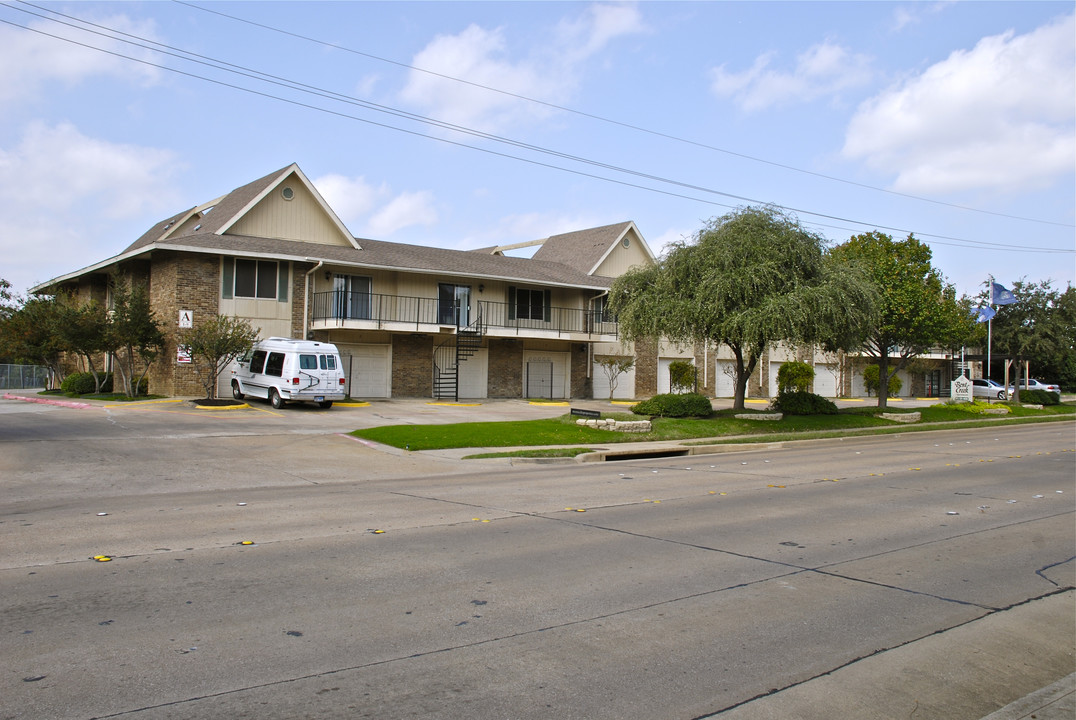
[911,417]
[759,416]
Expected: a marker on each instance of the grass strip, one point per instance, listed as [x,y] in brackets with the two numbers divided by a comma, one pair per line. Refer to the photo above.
[564,431]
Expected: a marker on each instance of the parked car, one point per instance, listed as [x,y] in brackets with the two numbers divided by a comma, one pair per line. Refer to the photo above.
[1034,384]
[988,389]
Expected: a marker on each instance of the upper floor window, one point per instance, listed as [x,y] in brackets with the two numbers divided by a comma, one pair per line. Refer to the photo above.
[260,279]
[526,304]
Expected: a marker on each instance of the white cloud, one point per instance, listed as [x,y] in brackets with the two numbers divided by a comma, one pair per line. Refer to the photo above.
[374,208]
[405,210]
[72,195]
[998,116]
[350,198]
[29,60]
[549,72]
[824,70]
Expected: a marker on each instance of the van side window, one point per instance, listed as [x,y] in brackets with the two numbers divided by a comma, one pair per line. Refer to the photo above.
[275,364]
[308,362]
[257,361]
[328,362]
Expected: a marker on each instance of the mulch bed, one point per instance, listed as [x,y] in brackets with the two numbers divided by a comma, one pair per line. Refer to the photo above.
[219,402]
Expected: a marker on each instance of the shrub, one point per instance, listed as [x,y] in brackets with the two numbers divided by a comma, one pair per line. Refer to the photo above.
[675,405]
[682,376]
[870,381]
[1039,397]
[799,402]
[82,383]
[794,376]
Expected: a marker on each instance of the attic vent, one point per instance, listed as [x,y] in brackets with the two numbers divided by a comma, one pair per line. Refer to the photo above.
[287,193]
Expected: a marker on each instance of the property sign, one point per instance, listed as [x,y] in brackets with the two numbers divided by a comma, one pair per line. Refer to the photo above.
[183,354]
[186,319]
[961,389]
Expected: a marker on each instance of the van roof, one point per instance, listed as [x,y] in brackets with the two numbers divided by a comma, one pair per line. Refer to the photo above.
[299,344]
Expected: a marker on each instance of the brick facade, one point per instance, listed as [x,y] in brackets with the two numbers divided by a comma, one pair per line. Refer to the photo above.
[195,279]
[582,385]
[505,369]
[646,368]
[412,366]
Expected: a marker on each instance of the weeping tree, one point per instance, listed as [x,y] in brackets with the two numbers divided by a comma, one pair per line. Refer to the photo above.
[918,309]
[746,279]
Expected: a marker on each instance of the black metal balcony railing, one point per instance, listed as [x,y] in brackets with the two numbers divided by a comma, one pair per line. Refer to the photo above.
[416,311]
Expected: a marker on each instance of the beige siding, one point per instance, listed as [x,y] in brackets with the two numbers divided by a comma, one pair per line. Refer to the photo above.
[301,218]
[269,317]
[622,259]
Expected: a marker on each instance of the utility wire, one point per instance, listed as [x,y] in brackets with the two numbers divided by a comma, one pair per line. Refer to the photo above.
[613,121]
[301,87]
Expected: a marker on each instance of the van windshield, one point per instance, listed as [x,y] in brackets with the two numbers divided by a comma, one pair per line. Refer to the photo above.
[308,362]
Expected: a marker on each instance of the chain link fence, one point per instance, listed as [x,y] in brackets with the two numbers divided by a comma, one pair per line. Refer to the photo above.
[21,377]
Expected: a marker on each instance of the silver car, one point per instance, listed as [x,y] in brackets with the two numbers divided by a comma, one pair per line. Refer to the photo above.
[1034,384]
[988,389]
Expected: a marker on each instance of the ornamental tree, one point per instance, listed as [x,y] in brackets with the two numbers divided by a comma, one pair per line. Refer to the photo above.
[918,309]
[746,279]
[215,343]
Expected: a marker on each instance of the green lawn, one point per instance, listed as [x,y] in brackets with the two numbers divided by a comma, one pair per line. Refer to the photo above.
[564,431]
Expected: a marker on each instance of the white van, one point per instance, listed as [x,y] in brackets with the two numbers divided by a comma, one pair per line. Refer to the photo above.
[286,369]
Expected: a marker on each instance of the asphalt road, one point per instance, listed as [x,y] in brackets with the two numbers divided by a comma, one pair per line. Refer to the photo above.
[925,576]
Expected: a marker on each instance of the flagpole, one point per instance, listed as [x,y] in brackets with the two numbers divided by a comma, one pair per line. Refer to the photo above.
[989,328]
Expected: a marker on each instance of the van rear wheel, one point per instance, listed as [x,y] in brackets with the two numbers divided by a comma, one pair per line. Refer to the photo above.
[325,404]
[274,399]
[235,390]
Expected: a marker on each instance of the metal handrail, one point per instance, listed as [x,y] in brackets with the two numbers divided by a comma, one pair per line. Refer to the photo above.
[382,309]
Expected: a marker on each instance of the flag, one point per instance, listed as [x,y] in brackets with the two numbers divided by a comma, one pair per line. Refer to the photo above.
[1001,296]
[983,314]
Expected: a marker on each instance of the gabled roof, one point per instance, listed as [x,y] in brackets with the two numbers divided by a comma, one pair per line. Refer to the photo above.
[567,260]
[586,248]
[218,216]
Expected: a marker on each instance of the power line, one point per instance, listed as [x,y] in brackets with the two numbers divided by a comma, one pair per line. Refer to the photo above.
[612,121]
[302,87]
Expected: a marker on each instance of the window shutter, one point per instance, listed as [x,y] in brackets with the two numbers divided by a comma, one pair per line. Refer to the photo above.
[511,303]
[548,311]
[229,278]
[282,276]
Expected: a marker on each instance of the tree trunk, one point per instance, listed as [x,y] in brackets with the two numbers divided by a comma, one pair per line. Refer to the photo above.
[883,379]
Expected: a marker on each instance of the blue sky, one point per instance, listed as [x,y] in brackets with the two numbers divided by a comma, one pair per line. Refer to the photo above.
[953,120]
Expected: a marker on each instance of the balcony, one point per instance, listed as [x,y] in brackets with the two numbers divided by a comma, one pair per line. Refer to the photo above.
[367,311]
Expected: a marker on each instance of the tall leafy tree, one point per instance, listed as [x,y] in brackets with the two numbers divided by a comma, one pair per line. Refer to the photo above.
[30,333]
[918,309]
[1040,326]
[216,342]
[82,328]
[135,336]
[746,279]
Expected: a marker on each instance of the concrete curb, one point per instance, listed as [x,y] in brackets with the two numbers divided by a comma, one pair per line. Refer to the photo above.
[49,401]
[1053,702]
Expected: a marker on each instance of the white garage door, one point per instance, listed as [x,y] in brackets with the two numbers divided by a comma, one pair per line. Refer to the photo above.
[625,384]
[726,378]
[474,375]
[368,369]
[825,380]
